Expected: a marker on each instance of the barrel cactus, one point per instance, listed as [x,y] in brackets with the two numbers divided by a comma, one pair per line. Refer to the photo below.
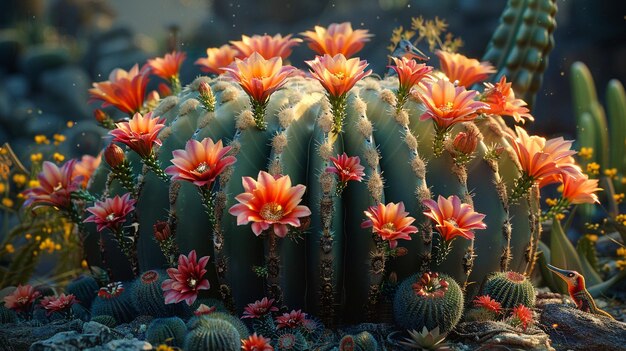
[430,300]
[85,288]
[114,300]
[105,319]
[166,330]
[319,165]
[215,334]
[147,296]
[510,289]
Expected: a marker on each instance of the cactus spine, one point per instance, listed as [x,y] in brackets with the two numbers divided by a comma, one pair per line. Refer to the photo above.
[169,331]
[215,334]
[105,319]
[147,296]
[115,301]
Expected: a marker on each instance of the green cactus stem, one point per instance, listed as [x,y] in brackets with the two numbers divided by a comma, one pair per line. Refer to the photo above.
[169,331]
[85,288]
[124,174]
[338,105]
[510,289]
[153,164]
[215,334]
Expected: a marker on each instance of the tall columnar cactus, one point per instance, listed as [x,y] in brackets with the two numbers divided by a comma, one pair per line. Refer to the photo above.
[520,45]
[281,145]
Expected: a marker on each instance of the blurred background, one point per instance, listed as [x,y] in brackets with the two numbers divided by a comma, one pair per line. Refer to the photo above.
[51,50]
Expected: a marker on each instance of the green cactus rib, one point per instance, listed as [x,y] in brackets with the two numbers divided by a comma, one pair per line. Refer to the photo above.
[520,46]
[214,334]
[616,110]
[169,331]
[510,289]
[345,273]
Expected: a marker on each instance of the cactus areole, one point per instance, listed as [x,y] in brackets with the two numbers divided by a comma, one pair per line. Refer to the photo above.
[275,222]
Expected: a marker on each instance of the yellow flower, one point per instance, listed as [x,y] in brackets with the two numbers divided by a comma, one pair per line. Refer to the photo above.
[9,248]
[164,347]
[35,253]
[621,265]
[2,187]
[559,216]
[28,236]
[611,172]
[84,264]
[70,124]
[41,139]
[591,237]
[59,138]
[48,245]
[621,218]
[7,202]
[33,183]
[551,202]
[593,168]
[36,157]
[618,197]
[58,157]
[621,251]
[19,179]
[38,238]
[560,188]
[585,152]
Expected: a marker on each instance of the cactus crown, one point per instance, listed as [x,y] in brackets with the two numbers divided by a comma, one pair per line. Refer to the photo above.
[149,277]
[515,277]
[111,290]
[430,285]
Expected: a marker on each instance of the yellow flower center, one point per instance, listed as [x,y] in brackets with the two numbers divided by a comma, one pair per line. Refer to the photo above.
[447,107]
[453,222]
[272,212]
[340,75]
[22,300]
[110,217]
[389,226]
[192,282]
[203,167]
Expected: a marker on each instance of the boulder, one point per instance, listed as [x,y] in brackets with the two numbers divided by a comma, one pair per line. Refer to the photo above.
[572,329]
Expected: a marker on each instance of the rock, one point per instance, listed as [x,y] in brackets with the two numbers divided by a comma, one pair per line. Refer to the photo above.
[22,335]
[490,335]
[93,334]
[572,329]
[68,86]
[38,59]
[123,345]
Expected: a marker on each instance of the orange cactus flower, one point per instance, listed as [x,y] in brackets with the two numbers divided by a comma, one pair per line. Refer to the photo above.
[139,133]
[111,212]
[270,201]
[337,74]
[85,168]
[453,218]
[266,45]
[256,343]
[201,162]
[338,38]
[167,67]
[486,302]
[55,186]
[217,58]
[390,222]
[126,90]
[502,101]
[259,77]
[409,72]
[580,189]
[447,104]
[463,69]
[541,159]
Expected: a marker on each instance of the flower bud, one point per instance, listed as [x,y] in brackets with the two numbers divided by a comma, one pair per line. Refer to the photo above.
[100,115]
[465,142]
[114,155]
[205,89]
[401,251]
[164,90]
[162,231]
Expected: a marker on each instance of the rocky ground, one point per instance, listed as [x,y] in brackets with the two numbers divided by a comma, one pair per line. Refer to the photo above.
[560,327]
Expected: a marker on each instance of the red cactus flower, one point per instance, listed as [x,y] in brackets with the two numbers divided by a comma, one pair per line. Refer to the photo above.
[162,231]
[270,201]
[347,168]
[453,218]
[447,104]
[390,222]
[167,67]
[259,308]
[111,290]
[140,133]
[430,285]
[502,101]
[203,310]
[256,343]
[59,303]
[201,162]
[124,90]
[293,319]
[338,38]
[486,302]
[522,315]
[22,299]
[111,212]
[265,45]
[463,69]
[85,168]
[186,280]
[55,186]
[409,72]
[337,74]
[217,58]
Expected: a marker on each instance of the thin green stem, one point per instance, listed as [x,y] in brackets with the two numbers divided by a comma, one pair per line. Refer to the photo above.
[124,174]
[441,134]
[560,207]
[338,105]
[153,164]
[521,188]
[258,110]
[443,250]
[175,82]
[402,95]
[208,201]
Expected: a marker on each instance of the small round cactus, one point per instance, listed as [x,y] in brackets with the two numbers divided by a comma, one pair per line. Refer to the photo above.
[366,342]
[347,343]
[213,334]
[290,340]
[147,296]
[241,327]
[430,300]
[114,300]
[510,289]
[6,315]
[85,288]
[170,330]
[105,319]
